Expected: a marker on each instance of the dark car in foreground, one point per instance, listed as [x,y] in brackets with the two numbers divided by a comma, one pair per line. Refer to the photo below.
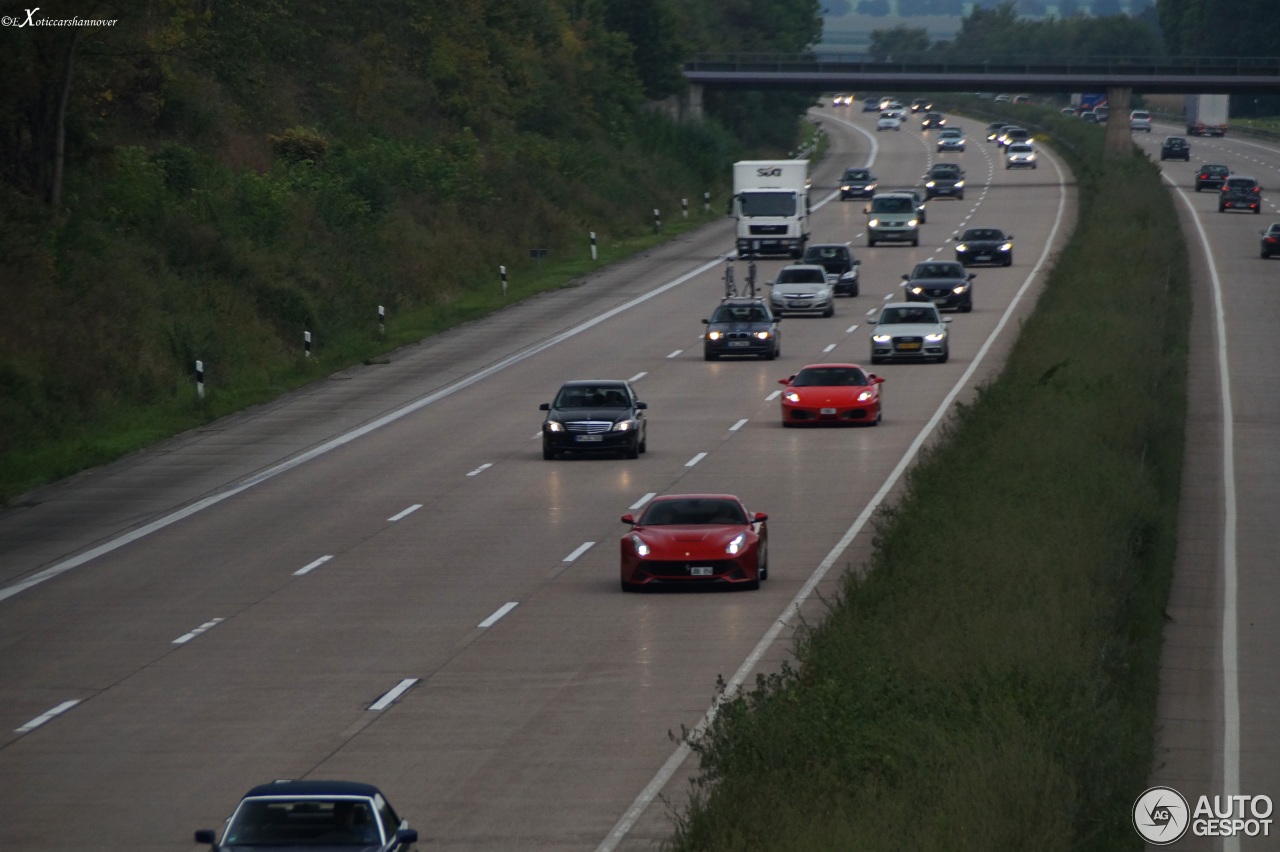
[1271,240]
[857,183]
[742,326]
[338,816]
[594,416]
[838,262]
[695,540]
[1240,193]
[1211,176]
[943,282]
[1175,148]
[984,245]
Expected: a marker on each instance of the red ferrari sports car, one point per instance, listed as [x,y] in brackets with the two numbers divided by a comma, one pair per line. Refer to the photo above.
[831,393]
[695,539]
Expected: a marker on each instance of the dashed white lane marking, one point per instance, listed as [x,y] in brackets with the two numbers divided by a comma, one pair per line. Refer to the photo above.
[308,568]
[735,427]
[675,354]
[203,628]
[501,611]
[851,329]
[392,694]
[46,716]
[581,549]
[638,376]
[405,513]
[645,499]
[481,469]
[771,397]
[828,348]
[699,457]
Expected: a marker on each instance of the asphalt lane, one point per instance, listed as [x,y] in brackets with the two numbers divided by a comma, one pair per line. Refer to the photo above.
[1219,711]
[276,581]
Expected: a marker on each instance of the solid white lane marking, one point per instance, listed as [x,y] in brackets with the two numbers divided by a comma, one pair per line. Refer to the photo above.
[654,787]
[406,513]
[699,457]
[1230,568]
[638,376]
[305,569]
[501,611]
[675,354]
[771,397]
[395,692]
[348,437]
[187,637]
[481,469]
[828,348]
[581,549]
[46,716]
[735,427]
[645,499]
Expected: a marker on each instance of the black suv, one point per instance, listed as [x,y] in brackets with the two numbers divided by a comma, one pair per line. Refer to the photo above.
[1240,193]
[944,179]
[742,326]
[943,282]
[594,416]
[857,183]
[1175,148]
[1211,176]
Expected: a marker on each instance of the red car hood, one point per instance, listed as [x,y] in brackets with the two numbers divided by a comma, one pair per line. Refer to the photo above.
[830,395]
[695,540]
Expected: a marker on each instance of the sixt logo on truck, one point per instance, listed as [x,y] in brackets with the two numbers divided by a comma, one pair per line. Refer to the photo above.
[773,172]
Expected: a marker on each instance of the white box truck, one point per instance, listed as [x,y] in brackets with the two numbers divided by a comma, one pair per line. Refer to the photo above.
[1207,115]
[771,203]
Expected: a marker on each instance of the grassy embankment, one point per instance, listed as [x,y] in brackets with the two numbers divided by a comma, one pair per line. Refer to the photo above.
[988,682]
[168,256]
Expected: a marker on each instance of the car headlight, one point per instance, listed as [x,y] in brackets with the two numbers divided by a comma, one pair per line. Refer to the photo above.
[913,223]
[959,184]
[936,337]
[791,396]
[639,545]
[959,288]
[1007,247]
[736,544]
[882,338]
[873,223]
[553,426]
[917,290]
[931,184]
[865,395]
[961,247]
[624,426]
[714,335]
[849,276]
[764,335]
[844,187]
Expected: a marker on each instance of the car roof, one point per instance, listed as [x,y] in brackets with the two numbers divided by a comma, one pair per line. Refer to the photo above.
[313,788]
[909,305]
[577,383]
[804,266]
[666,497]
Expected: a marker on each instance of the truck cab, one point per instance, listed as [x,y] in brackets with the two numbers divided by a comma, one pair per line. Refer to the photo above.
[771,205]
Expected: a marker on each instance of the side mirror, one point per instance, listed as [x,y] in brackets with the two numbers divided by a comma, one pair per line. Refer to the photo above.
[972,276]
[906,277]
[786,381]
[407,835]
[955,238]
[640,406]
[856,262]
[204,835]
[947,319]
[706,322]
[875,380]
[758,517]
[866,209]
[1009,237]
[629,519]
[546,406]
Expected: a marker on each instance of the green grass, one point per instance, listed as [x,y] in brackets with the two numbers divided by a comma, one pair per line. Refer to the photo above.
[988,681]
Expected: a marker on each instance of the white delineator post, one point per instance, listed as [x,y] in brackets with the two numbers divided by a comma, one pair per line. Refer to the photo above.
[306,344]
[502,271]
[199,380]
[593,245]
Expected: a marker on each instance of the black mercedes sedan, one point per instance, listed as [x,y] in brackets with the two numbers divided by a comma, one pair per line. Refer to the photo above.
[594,416]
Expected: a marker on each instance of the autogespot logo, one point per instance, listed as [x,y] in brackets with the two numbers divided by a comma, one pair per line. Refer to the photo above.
[1161,816]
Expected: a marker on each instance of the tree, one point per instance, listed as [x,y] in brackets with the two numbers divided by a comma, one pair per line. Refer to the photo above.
[899,42]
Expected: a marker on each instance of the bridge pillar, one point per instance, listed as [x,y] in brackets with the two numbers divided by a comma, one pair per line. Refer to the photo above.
[1119,141]
[691,103]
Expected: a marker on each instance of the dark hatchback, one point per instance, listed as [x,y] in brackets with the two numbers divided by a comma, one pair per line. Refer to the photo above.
[1271,240]
[1211,176]
[742,326]
[857,183]
[1175,148]
[984,245]
[840,265]
[944,180]
[945,283]
[1240,193]
[338,816]
[594,416]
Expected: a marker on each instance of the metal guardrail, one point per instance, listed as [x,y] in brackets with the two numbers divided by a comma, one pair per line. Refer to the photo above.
[1012,64]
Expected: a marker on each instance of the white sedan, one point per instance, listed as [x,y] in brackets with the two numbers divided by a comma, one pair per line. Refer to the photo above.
[1019,156]
[888,122]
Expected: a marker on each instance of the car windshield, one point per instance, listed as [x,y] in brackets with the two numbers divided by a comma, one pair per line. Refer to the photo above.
[592,396]
[944,172]
[829,377]
[913,314]
[949,133]
[857,174]
[303,822]
[834,259]
[740,313]
[768,203]
[1020,149]
[938,270]
[693,510]
[982,234]
[1215,170]
[893,205]
[802,276]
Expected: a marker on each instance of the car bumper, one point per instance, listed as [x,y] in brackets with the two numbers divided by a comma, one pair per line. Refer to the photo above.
[753,346]
[748,246]
[943,191]
[908,349]
[901,235]
[812,415]
[993,256]
[800,306]
[1241,205]
[601,442]
[949,302]
[856,193]
[670,572]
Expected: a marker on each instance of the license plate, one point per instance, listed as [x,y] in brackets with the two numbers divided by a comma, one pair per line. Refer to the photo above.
[739,342]
[827,411]
[908,345]
[588,438]
[700,571]
[982,257]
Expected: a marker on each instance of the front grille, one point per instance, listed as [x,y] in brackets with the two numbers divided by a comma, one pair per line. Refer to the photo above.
[588,427]
[912,344]
[937,292]
[737,335]
[672,568]
[768,230]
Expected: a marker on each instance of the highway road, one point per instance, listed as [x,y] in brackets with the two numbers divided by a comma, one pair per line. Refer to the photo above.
[1219,712]
[378,578]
